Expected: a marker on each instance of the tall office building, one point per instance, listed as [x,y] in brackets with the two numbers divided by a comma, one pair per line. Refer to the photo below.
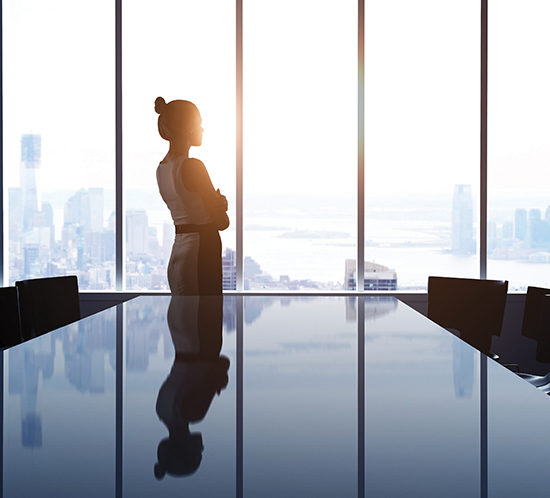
[46,221]
[96,197]
[350,282]
[31,264]
[15,207]
[76,225]
[229,270]
[535,215]
[538,231]
[533,227]
[507,230]
[520,224]
[77,210]
[32,233]
[463,241]
[137,232]
[491,235]
[30,161]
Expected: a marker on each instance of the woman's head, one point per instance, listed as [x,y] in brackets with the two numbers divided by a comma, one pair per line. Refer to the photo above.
[179,120]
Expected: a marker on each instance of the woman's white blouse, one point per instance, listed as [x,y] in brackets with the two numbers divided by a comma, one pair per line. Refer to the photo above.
[185,206]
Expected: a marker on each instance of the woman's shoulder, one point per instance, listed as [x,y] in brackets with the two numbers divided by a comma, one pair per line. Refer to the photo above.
[193,162]
[193,168]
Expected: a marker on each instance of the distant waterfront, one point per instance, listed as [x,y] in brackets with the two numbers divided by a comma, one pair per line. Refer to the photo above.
[415,242]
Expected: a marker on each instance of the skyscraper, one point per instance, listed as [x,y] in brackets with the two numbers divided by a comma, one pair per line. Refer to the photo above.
[30,161]
[463,241]
[520,224]
[30,260]
[507,230]
[491,235]
[77,210]
[15,207]
[538,231]
[137,232]
[229,269]
[96,196]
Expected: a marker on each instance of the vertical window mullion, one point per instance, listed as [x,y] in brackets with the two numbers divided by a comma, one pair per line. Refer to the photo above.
[360,269]
[1,148]
[483,146]
[239,145]
[119,225]
[483,435]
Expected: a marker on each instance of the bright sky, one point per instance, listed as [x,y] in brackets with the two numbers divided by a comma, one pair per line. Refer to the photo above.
[300,77]
[58,82]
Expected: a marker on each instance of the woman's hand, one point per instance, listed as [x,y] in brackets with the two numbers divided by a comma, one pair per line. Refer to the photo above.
[222,200]
[219,211]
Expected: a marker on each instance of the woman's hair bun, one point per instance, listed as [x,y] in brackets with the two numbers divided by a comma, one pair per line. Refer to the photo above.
[160,105]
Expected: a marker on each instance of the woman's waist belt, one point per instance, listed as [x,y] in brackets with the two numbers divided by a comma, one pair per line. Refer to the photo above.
[193,228]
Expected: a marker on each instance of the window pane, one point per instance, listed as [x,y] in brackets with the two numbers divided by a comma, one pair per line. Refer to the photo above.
[421,139]
[300,143]
[519,148]
[188,53]
[59,139]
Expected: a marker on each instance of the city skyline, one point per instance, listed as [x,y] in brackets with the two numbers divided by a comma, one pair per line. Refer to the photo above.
[84,243]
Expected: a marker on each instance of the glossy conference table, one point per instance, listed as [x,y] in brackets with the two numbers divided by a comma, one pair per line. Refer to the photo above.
[309,397]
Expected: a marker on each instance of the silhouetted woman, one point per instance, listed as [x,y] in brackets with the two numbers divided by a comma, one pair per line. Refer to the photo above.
[198,210]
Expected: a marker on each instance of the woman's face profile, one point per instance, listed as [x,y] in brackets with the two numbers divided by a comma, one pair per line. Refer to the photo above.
[190,130]
[195,134]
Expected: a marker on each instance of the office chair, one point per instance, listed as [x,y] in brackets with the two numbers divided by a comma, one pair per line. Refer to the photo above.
[473,309]
[533,314]
[9,313]
[536,326]
[46,304]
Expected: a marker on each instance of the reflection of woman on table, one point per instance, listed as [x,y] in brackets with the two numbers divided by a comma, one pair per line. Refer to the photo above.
[197,374]
[197,209]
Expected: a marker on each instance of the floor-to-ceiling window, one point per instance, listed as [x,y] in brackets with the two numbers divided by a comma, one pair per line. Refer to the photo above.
[300,136]
[176,50]
[421,140]
[58,140]
[519,145]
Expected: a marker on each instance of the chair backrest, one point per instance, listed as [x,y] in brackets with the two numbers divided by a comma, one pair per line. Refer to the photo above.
[533,313]
[9,312]
[536,321]
[473,307]
[46,304]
